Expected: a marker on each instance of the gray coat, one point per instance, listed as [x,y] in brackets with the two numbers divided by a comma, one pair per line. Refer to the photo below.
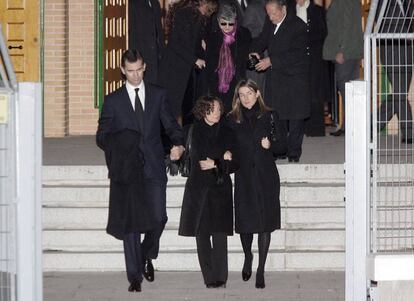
[343,19]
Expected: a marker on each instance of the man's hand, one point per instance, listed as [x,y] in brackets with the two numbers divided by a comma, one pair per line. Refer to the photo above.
[227,156]
[176,152]
[200,63]
[339,58]
[207,164]
[263,64]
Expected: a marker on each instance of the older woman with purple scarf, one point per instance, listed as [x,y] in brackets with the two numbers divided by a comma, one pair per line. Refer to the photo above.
[226,55]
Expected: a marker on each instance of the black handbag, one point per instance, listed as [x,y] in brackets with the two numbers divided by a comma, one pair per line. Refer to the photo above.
[185,162]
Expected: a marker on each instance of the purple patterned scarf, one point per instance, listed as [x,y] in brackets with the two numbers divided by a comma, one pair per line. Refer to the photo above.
[225,68]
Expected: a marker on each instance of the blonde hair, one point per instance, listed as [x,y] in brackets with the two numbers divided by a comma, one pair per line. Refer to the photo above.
[237,106]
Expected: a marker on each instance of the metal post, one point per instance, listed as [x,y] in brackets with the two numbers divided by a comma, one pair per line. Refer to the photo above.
[357,189]
[29,163]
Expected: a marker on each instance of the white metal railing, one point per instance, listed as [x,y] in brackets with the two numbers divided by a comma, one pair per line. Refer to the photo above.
[8,192]
[20,185]
[388,206]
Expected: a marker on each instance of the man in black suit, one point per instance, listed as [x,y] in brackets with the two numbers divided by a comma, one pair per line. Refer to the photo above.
[143,108]
[146,34]
[287,87]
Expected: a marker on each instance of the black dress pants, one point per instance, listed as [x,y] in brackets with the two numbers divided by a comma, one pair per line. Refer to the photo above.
[133,256]
[156,192]
[293,130]
[212,256]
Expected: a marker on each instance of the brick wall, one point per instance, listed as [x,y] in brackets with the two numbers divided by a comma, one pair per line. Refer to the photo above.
[69,68]
[56,68]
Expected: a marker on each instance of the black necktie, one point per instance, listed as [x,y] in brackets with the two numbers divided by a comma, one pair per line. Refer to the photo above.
[139,111]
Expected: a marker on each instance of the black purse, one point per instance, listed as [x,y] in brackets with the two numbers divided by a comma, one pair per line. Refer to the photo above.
[185,162]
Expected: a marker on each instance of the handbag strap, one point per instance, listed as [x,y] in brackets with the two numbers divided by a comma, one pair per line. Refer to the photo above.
[189,139]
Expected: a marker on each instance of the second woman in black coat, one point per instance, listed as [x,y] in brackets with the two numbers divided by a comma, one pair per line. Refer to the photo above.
[227,49]
[207,210]
[257,183]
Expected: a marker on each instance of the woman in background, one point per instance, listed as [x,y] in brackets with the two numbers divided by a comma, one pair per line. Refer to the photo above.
[226,54]
[186,23]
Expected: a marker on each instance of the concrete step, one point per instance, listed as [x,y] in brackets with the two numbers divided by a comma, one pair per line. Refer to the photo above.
[291,195]
[306,173]
[98,240]
[96,218]
[187,261]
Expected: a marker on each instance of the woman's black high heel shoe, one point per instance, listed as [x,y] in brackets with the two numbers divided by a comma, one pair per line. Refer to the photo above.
[247,267]
[260,281]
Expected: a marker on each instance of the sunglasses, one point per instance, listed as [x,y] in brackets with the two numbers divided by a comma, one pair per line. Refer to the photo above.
[227,23]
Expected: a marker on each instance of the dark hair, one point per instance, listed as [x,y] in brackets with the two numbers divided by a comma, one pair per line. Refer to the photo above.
[131,56]
[236,105]
[205,105]
[181,4]
[278,2]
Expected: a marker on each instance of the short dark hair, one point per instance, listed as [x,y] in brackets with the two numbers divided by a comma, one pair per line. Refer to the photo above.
[131,56]
[204,105]
[278,2]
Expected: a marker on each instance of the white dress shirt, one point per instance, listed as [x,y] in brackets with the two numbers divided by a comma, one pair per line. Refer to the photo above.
[278,25]
[301,11]
[141,93]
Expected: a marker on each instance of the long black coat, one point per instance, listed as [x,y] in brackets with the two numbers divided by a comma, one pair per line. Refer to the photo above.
[181,53]
[257,183]
[239,52]
[318,68]
[146,34]
[118,115]
[287,86]
[202,190]
[129,212]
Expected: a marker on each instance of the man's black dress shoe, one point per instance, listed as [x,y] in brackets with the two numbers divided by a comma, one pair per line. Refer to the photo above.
[338,133]
[407,141]
[148,270]
[246,275]
[135,286]
[294,159]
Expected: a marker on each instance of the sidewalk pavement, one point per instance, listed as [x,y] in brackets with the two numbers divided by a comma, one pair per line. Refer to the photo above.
[171,286]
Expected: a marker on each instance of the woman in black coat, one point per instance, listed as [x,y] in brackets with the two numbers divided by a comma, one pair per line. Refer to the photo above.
[257,183]
[227,49]
[186,22]
[207,210]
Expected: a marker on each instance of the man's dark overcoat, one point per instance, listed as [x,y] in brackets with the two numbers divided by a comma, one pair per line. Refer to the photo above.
[287,86]
[210,189]
[257,183]
[181,53]
[146,34]
[118,115]
[239,53]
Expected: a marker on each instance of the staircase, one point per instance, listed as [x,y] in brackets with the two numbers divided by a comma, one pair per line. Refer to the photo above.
[75,200]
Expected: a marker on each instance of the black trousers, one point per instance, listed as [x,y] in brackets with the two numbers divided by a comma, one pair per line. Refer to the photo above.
[133,256]
[156,193]
[293,130]
[345,72]
[212,256]
[397,59]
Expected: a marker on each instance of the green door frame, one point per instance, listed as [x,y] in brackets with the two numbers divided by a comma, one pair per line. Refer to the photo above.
[99,54]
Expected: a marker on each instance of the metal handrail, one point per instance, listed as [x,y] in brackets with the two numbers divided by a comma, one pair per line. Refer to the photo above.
[8,75]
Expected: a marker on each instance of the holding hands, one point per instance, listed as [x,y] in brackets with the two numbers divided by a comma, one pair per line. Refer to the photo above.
[263,64]
[207,164]
[176,152]
[227,156]
[200,63]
